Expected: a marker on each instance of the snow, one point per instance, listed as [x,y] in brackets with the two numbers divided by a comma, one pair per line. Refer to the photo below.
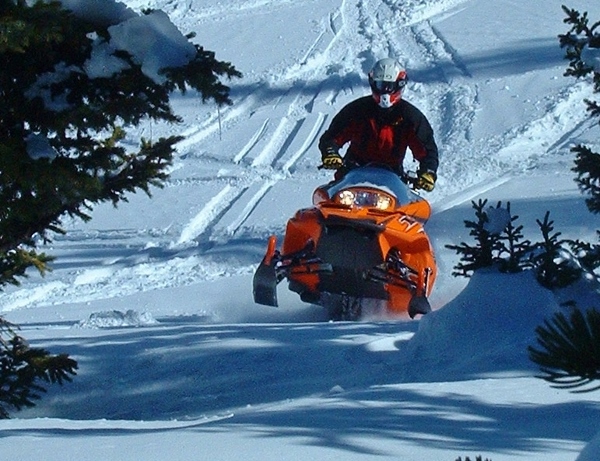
[154,298]
[39,147]
[591,56]
[100,11]
[153,41]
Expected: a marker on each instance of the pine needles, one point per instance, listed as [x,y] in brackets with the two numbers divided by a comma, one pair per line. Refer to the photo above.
[569,353]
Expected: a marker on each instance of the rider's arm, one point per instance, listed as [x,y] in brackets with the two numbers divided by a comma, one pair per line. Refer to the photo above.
[422,142]
[342,128]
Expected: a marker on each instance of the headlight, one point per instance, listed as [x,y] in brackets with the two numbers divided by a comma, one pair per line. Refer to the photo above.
[383,202]
[364,198]
[346,197]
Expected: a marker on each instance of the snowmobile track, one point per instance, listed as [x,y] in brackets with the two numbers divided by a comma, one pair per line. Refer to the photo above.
[252,142]
[204,222]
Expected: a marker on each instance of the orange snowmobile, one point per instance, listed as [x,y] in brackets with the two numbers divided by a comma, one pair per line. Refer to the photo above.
[362,239]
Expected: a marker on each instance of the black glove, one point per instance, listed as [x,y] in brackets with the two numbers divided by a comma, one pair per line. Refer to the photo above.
[332,160]
[426,180]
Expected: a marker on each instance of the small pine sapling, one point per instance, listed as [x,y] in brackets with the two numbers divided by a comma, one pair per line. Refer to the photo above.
[555,266]
[588,256]
[514,247]
[481,254]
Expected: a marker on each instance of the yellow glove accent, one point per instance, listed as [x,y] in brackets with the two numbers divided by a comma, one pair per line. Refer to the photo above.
[426,181]
[332,161]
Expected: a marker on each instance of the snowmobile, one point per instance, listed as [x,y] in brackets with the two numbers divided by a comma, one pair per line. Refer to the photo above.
[363,239]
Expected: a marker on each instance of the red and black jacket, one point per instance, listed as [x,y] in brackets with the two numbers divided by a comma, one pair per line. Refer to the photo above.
[382,135]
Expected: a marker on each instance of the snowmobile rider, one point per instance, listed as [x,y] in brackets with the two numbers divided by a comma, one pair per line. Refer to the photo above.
[380,128]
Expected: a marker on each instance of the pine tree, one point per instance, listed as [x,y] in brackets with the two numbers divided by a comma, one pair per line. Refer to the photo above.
[580,40]
[62,124]
[60,127]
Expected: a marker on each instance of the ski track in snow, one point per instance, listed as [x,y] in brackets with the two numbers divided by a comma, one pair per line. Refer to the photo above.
[214,208]
[250,205]
[252,142]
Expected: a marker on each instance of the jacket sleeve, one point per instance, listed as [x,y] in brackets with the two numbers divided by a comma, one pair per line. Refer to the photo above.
[338,132]
[423,145]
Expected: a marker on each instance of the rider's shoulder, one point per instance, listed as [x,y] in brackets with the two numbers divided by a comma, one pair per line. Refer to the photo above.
[362,106]
[408,110]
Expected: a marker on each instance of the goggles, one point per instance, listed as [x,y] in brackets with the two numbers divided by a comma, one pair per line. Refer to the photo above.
[386,87]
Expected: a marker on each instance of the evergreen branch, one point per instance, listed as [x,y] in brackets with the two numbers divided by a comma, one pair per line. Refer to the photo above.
[21,369]
[569,356]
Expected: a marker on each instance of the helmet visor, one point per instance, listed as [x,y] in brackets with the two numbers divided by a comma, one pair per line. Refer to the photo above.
[387,87]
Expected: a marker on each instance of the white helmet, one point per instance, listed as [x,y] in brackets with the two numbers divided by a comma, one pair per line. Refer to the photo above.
[387,79]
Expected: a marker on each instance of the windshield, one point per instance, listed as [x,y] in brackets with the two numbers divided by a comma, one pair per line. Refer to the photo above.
[375,178]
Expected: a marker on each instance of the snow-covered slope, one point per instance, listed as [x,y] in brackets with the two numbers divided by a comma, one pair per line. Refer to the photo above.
[188,367]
